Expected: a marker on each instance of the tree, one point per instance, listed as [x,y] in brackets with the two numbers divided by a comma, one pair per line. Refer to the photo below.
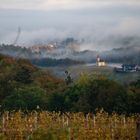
[56,102]
[134,101]
[24,75]
[24,71]
[103,93]
[134,97]
[25,98]
[68,79]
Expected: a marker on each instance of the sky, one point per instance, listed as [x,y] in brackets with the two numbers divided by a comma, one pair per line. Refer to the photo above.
[100,23]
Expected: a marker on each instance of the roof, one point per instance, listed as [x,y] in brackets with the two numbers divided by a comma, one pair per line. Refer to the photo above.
[101,60]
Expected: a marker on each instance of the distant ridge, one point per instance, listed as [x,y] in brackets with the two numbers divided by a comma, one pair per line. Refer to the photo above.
[50,55]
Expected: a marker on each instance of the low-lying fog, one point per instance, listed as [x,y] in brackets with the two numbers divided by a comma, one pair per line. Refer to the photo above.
[97,25]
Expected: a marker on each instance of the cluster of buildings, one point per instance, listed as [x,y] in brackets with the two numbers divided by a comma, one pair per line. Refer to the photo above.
[123,69]
[127,68]
[40,48]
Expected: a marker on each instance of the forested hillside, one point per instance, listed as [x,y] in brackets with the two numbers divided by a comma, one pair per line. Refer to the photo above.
[24,86]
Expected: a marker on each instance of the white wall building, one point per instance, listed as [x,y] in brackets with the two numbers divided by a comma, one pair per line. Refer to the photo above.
[100,62]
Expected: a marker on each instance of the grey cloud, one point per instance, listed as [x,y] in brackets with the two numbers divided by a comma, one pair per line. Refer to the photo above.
[63,4]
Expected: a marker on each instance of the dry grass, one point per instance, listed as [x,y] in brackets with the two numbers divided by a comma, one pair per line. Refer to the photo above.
[68,126]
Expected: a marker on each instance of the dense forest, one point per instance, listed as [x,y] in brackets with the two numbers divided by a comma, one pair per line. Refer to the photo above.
[26,87]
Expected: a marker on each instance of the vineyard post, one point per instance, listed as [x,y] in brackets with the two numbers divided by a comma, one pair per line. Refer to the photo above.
[3,124]
[94,120]
[138,130]
[124,121]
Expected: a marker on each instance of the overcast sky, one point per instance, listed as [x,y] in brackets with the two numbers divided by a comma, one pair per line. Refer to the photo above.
[96,21]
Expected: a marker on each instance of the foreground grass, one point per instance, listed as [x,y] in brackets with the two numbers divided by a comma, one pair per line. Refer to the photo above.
[67,126]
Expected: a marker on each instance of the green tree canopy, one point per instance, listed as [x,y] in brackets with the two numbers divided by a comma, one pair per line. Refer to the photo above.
[103,93]
[25,98]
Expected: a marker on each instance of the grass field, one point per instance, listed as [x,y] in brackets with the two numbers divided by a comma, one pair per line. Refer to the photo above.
[108,71]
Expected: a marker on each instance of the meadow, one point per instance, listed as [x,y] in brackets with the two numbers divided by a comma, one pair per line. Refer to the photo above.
[108,71]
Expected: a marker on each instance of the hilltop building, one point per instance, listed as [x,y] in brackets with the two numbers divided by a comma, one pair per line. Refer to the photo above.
[100,62]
